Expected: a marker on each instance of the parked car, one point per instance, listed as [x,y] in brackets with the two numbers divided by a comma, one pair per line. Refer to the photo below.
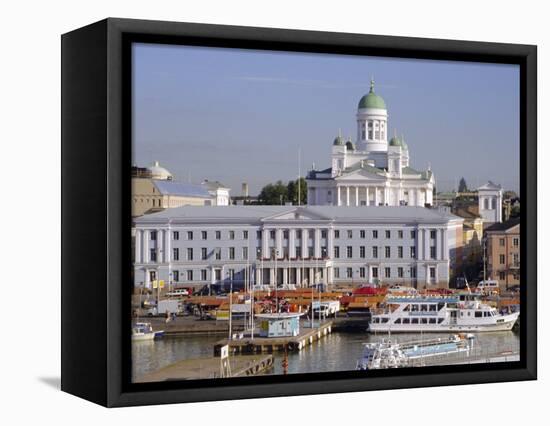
[179,292]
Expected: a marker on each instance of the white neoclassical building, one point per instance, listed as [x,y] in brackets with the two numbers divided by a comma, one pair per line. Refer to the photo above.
[332,245]
[490,202]
[371,171]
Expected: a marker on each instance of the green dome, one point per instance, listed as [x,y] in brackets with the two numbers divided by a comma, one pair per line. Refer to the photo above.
[372,100]
[395,141]
[338,141]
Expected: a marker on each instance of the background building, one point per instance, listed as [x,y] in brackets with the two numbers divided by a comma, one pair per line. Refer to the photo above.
[371,171]
[297,245]
[503,252]
[153,190]
[490,202]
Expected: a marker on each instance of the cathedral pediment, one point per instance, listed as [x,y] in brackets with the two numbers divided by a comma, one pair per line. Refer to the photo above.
[362,174]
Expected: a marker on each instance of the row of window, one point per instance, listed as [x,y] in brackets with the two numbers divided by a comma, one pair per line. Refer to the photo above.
[311,234]
[515,242]
[376,130]
[216,253]
[515,259]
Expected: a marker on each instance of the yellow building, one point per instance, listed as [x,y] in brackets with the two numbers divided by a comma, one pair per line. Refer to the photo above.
[503,252]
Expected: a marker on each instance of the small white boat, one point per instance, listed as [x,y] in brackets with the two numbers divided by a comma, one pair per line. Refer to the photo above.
[143,331]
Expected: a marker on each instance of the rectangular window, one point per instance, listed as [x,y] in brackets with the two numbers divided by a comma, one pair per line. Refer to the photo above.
[323,233]
[349,251]
[176,253]
[258,235]
[387,272]
[203,274]
[189,275]
[400,252]
[432,272]
[176,275]
[285,234]
[362,252]
[387,251]
[413,272]
[299,234]
[502,242]
[362,233]
[362,272]
[153,235]
[413,235]
[375,252]
[350,234]
[175,235]
[501,275]
[388,234]
[245,235]
[432,252]
[231,274]
[204,235]
[218,253]
[375,272]
[502,259]
[298,251]
[400,272]
[336,272]
[336,234]
[189,235]
[232,253]
[218,235]
[272,235]
[310,252]
[516,259]
[189,254]
[413,252]
[400,234]
[336,252]
[516,242]
[349,273]
[204,253]
[375,234]
[231,235]
[153,255]
[433,234]
[245,253]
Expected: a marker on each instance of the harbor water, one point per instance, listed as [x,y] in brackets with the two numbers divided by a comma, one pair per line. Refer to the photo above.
[338,351]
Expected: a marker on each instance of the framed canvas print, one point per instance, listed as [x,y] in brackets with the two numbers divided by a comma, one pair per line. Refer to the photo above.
[254,212]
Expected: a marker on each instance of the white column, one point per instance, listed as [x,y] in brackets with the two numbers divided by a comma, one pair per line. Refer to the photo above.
[146,236]
[330,243]
[271,276]
[279,242]
[311,277]
[291,243]
[317,243]
[160,246]
[298,277]
[445,244]
[339,200]
[347,195]
[367,195]
[137,254]
[356,195]
[419,244]
[376,199]
[441,255]
[265,243]
[167,246]
[304,243]
[258,279]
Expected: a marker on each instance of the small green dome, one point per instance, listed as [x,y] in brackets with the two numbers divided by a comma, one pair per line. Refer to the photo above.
[372,100]
[395,141]
[338,141]
[350,146]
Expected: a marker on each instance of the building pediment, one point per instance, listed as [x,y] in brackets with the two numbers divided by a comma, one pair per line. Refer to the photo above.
[296,213]
[361,174]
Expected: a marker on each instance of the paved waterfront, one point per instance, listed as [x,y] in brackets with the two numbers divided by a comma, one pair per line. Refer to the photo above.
[336,352]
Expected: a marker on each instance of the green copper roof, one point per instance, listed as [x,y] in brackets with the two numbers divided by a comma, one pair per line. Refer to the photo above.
[338,141]
[395,141]
[372,100]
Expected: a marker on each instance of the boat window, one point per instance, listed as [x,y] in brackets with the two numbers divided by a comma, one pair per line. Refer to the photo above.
[414,321]
[440,320]
[424,308]
[433,308]
[407,308]
[406,321]
[424,320]
[397,321]
[461,313]
[440,306]
[478,314]
[384,320]
[414,308]
[432,320]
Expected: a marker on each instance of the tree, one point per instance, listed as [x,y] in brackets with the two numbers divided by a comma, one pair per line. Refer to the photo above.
[273,194]
[462,186]
[292,190]
[509,194]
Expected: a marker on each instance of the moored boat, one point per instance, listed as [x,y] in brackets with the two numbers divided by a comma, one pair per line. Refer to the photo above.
[143,331]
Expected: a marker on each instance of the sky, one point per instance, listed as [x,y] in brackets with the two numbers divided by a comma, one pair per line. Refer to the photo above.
[238,115]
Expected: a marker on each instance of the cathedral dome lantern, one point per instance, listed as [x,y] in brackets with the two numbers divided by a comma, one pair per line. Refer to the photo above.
[372,122]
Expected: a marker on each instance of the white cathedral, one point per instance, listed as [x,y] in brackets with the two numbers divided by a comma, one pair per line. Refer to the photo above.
[370,172]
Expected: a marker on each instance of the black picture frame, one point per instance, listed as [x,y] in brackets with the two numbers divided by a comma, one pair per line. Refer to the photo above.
[96,220]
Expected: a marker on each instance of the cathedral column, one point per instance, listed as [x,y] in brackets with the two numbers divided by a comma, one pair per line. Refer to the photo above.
[356,195]
[376,199]
[347,195]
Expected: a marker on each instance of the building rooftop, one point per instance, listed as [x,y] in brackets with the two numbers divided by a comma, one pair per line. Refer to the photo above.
[504,226]
[169,187]
[385,214]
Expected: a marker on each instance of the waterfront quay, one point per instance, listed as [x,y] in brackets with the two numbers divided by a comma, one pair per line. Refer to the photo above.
[210,368]
[275,344]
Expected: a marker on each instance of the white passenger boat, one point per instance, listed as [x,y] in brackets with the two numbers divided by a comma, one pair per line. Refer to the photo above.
[388,354]
[142,331]
[454,313]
